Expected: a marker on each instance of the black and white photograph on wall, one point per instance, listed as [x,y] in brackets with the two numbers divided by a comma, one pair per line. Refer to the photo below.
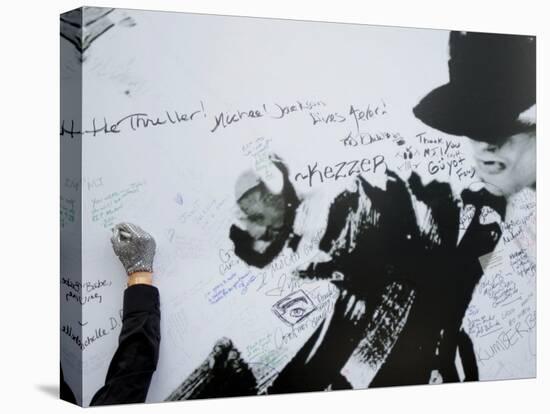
[256,206]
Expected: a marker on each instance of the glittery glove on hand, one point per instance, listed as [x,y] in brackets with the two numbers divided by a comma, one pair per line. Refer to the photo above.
[134,247]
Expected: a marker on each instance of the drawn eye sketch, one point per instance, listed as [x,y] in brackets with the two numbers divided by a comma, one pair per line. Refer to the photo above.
[293,308]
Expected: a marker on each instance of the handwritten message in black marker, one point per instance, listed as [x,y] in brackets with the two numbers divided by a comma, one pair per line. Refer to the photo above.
[132,122]
[316,111]
[315,172]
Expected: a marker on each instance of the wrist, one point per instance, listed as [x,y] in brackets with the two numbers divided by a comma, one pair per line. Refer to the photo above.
[140,278]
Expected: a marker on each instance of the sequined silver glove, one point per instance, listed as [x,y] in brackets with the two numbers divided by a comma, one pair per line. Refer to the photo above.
[134,247]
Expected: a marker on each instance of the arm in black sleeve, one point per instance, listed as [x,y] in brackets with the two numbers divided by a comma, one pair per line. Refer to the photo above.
[136,358]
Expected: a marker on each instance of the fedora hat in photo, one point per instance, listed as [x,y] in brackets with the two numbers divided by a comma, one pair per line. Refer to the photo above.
[492,80]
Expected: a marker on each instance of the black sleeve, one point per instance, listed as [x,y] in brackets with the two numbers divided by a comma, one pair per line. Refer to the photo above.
[136,358]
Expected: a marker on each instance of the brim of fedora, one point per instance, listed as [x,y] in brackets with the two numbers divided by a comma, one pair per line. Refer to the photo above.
[445,109]
[479,116]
